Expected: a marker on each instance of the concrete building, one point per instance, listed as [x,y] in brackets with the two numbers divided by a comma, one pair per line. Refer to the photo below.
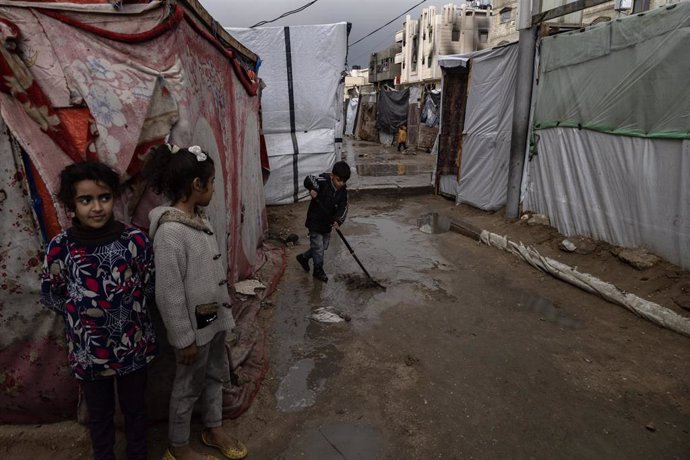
[355,79]
[504,16]
[457,29]
[382,66]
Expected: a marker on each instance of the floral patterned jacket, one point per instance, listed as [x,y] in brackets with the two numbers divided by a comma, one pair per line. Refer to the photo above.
[103,292]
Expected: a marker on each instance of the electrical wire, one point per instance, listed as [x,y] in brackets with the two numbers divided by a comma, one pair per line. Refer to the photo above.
[297,10]
[389,22]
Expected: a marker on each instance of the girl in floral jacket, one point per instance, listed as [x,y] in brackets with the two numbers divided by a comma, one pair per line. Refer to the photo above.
[98,275]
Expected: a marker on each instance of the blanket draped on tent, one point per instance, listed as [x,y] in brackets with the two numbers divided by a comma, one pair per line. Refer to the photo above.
[78,85]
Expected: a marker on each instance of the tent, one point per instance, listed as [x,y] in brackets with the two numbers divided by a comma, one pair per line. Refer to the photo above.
[484,148]
[302,67]
[100,81]
[611,133]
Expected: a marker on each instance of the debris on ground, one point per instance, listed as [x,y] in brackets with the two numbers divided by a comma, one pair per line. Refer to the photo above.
[638,258]
[288,239]
[411,360]
[650,426]
[538,219]
[584,245]
[248,287]
[356,281]
[567,246]
[328,315]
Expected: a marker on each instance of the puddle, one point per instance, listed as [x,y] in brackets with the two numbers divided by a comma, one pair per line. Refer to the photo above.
[307,378]
[337,441]
[433,223]
[295,392]
[547,311]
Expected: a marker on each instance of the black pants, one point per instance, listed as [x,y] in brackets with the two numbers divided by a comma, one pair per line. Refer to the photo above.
[402,146]
[100,399]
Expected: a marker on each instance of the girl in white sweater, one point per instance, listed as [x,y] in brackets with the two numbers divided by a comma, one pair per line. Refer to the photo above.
[192,296]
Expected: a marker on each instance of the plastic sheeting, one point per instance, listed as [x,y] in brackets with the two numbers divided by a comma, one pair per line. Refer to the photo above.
[391,112]
[625,176]
[351,116]
[485,144]
[627,76]
[300,105]
[628,191]
[650,311]
[430,113]
[488,128]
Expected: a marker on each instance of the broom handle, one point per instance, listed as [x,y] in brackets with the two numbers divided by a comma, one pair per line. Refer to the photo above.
[352,251]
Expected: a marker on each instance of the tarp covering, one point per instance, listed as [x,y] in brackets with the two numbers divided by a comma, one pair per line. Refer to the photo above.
[488,127]
[625,176]
[484,148]
[391,110]
[80,85]
[430,112]
[650,311]
[365,128]
[302,67]
[627,76]
[352,105]
[625,190]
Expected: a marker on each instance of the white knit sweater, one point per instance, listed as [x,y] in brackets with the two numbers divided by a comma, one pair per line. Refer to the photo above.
[190,271]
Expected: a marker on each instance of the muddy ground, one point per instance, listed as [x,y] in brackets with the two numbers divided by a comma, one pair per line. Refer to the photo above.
[468,353]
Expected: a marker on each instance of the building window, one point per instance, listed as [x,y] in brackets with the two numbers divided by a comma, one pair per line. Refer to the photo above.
[455,35]
[483,36]
[506,14]
[429,60]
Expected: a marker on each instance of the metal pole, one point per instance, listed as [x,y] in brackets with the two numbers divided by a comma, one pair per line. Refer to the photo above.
[521,109]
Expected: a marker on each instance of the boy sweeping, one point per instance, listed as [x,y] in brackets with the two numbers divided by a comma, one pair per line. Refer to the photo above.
[327,210]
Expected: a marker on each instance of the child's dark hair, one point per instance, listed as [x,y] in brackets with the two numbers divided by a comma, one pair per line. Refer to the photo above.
[171,170]
[87,170]
[342,170]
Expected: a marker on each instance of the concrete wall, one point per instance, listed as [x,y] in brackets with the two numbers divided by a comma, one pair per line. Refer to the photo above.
[382,66]
[455,30]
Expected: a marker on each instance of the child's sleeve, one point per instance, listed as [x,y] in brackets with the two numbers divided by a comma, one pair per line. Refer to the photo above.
[171,264]
[311,183]
[341,210]
[54,278]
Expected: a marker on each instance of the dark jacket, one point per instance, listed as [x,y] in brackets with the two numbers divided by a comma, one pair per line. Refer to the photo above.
[330,205]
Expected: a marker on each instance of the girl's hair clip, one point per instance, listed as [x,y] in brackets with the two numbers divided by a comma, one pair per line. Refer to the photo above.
[197,152]
[173,148]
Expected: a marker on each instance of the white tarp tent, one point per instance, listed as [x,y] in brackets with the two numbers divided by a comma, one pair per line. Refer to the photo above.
[487,129]
[612,132]
[302,102]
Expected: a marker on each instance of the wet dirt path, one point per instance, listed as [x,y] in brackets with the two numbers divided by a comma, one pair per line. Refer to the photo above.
[466,354]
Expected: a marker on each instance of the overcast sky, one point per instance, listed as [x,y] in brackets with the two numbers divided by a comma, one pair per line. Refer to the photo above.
[365,16]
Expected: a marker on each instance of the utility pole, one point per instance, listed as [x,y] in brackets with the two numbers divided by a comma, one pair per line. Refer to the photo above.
[521,110]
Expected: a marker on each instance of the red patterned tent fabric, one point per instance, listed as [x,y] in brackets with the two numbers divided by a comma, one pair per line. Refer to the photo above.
[88,80]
